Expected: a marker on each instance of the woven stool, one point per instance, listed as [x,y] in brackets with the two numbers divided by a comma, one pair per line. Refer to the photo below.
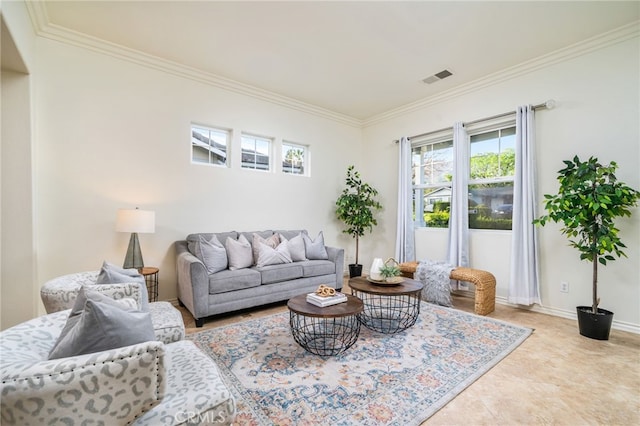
[485,283]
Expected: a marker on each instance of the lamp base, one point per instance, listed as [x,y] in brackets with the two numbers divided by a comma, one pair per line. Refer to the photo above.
[133,259]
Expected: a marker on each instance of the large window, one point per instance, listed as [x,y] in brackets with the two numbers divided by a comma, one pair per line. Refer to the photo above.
[256,152]
[209,145]
[294,158]
[432,164]
[491,172]
[492,163]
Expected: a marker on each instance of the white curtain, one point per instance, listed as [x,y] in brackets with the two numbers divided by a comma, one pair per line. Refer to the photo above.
[524,288]
[405,243]
[458,250]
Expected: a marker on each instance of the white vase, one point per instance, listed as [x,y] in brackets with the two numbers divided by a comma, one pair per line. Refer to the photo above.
[374,271]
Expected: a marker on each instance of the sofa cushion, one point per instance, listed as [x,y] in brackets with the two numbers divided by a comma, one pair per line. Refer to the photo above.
[314,249]
[239,253]
[211,252]
[314,268]
[296,248]
[238,279]
[277,273]
[272,241]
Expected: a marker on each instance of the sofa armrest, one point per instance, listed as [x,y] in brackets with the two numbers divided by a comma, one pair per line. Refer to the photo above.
[336,255]
[109,387]
[193,281]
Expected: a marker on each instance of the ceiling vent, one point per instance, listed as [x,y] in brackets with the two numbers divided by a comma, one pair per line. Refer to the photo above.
[437,77]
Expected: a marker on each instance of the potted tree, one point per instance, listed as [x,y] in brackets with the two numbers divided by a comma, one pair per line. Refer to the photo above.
[588,202]
[356,207]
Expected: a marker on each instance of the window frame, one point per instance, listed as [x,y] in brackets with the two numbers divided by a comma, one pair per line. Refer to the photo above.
[269,155]
[305,158]
[477,128]
[228,133]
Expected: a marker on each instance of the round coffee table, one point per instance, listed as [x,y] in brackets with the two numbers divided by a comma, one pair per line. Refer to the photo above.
[325,331]
[388,308]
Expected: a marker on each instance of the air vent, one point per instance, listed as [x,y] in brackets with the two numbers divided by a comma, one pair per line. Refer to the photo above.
[437,77]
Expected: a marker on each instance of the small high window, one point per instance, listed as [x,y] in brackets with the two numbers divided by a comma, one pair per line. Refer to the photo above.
[294,158]
[256,152]
[209,145]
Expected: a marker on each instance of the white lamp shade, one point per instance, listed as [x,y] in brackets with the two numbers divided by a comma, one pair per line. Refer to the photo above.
[136,220]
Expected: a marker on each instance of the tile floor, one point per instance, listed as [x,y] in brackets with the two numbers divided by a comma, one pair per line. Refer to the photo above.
[556,377]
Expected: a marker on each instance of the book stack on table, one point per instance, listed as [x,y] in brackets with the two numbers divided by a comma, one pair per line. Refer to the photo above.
[324,301]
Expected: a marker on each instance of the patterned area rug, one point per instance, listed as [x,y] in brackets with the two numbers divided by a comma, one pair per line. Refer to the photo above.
[399,379]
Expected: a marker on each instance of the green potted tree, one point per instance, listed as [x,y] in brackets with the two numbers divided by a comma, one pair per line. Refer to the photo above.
[588,202]
[356,207]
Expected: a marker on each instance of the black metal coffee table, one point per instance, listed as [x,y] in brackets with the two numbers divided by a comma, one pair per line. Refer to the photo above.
[388,308]
[325,331]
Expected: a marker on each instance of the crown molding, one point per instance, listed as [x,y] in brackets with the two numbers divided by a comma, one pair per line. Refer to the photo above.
[589,45]
[45,29]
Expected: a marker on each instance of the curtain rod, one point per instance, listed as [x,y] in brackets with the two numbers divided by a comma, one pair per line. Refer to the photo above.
[548,104]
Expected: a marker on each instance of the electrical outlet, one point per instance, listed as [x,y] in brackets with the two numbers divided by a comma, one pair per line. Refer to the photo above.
[564,287]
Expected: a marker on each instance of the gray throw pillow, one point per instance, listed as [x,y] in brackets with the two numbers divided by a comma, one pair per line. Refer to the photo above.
[296,247]
[239,253]
[314,249]
[112,274]
[212,253]
[271,241]
[102,325]
[272,256]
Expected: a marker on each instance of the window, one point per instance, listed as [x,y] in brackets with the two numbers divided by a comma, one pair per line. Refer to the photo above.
[256,152]
[294,158]
[432,164]
[209,146]
[491,174]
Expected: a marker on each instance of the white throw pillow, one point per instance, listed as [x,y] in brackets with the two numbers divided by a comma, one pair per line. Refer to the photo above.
[296,247]
[272,242]
[239,253]
[273,256]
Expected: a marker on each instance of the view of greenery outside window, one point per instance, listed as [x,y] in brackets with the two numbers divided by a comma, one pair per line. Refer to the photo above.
[492,166]
[432,168]
[492,169]
[294,158]
[209,145]
[255,152]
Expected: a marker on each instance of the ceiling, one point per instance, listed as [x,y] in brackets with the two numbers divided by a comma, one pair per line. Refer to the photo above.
[356,58]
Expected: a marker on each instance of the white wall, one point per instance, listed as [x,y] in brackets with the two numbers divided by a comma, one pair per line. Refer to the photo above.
[598,114]
[18,284]
[113,134]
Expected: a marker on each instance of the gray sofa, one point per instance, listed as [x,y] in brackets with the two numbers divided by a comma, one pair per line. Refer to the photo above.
[205,294]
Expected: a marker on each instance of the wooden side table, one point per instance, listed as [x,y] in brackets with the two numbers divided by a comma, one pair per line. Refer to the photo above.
[150,274]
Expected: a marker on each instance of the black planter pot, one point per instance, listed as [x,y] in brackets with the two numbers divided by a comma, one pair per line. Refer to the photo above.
[355,270]
[595,326]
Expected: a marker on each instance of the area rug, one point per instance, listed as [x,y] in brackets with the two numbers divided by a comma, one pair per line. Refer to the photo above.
[399,379]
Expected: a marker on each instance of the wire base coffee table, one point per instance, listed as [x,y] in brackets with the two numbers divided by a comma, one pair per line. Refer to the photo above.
[387,308]
[326,331]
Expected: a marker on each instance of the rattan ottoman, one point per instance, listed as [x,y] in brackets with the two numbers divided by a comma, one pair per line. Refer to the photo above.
[485,283]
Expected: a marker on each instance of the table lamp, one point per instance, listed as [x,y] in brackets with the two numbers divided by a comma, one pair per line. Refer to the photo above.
[134,221]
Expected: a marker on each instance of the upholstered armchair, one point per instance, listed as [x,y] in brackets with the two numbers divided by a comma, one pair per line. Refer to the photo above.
[149,383]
